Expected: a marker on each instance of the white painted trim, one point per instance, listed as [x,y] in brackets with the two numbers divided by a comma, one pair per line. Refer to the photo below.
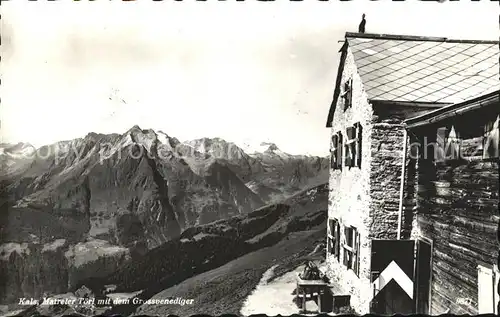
[402,185]
[393,272]
[496,298]
[487,271]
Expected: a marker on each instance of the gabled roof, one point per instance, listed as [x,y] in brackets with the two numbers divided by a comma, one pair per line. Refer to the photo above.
[422,69]
[446,112]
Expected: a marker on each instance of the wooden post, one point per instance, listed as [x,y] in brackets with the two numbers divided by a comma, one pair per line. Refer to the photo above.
[319,299]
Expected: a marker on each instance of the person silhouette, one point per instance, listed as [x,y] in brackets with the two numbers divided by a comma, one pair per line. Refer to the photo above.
[361,28]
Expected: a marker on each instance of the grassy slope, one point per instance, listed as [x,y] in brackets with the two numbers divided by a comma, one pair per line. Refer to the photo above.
[219,264]
[223,290]
[266,230]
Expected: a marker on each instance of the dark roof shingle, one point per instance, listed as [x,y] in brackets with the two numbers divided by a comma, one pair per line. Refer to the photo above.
[430,70]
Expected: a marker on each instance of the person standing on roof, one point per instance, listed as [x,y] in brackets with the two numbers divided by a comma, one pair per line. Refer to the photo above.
[361,28]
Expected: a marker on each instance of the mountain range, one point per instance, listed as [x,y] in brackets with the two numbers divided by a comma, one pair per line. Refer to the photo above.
[86,208]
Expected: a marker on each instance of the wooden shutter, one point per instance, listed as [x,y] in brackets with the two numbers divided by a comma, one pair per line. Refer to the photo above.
[359,136]
[357,248]
[337,240]
[350,92]
[354,253]
[330,239]
[339,150]
[347,94]
[333,156]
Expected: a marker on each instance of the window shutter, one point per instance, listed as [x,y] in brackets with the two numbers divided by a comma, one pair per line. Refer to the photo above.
[359,130]
[329,239]
[358,249]
[353,146]
[349,236]
[354,255]
[347,94]
[337,240]
[339,150]
[333,156]
[344,96]
[350,92]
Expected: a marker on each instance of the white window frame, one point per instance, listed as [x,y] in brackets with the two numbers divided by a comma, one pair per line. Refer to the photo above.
[352,250]
[333,243]
[492,270]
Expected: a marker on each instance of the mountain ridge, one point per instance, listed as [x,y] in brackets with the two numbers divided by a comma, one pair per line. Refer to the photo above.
[130,192]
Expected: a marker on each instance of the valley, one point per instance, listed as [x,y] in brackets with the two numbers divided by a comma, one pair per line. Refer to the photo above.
[144,212]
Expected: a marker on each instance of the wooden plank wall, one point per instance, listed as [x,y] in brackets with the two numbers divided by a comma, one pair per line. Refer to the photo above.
[458,209]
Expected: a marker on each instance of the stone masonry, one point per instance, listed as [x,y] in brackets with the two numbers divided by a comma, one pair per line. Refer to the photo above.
[349,199]
[367,197]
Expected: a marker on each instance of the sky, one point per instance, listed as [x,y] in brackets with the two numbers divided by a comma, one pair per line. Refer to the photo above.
[246,72]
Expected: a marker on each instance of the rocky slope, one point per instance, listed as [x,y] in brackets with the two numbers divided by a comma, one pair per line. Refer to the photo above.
[92,204]
[14,158]
[132,191]
[288,173]
[205,248]
[272,174]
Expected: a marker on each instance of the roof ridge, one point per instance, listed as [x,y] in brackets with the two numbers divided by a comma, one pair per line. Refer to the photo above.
[415,38]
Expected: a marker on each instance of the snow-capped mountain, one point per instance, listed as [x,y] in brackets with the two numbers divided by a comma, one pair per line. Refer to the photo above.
[94,202]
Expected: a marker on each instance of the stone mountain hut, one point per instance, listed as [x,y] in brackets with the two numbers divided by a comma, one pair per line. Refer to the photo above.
[387,248]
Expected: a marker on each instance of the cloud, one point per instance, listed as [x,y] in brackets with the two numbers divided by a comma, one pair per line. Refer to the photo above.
[228,69]
[7,40]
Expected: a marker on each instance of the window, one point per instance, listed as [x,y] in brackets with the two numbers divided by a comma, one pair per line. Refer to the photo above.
[351,249]
[447,144]
[491,139]
[350,147]
[353,146]
[440,144]
[452,147]
[334,238]
[487,281]
[336,152]
[347,94]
